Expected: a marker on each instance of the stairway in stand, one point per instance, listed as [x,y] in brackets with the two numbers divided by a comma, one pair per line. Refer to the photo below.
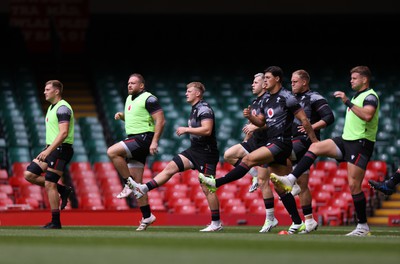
[79,95]
[389,206]
[73,71]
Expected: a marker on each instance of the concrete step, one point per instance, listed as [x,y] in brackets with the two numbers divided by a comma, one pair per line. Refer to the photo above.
[378,220]
[387,212]
[395,197]
[391,204]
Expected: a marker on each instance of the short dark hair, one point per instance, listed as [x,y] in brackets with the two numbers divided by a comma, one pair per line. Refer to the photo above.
[56,84]
[275,71]
[139,76]
[362,70]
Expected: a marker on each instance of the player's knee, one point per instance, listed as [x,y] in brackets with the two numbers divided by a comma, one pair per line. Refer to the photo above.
[178,161]
[110,153]
[32,171]
[52,176]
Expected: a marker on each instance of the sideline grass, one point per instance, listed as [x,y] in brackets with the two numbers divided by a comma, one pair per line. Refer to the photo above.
[171,244]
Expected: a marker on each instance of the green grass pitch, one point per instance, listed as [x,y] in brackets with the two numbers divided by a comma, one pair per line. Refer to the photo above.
[173,244]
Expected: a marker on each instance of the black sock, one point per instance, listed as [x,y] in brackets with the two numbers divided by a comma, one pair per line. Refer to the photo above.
[290,204]
[304,164]
[55,216]
[307,209]
[394,179]
[60,188]
[145,211]
[235,174]
[269,203]
[151,184]
[360,206]
[215,215]
[237,162]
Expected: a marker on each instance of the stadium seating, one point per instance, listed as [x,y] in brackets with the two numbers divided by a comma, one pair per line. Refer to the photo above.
[331,215]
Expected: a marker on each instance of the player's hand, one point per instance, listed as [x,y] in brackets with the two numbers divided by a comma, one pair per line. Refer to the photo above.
[247,112]
[181,130]
[341,95]
[118,116]
[153,148]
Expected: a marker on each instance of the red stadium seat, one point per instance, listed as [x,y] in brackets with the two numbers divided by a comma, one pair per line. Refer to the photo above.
[228,187]
[342,203]
[314,183]
[322,198]
[87,188]
[78,174]
[180,201]
[257,209]
[331,215]
[191,178]
[200,201]
[327,187]
[7,189]
[111,190]
[32,202]
[341,173]
[371,174]
[249,197]
[170,195]
[103,167]
[257,201]
[378,165]
[318,173]
[203,208]
[107,174]
[329,166]
[174,180]
[224,196]
[196,193]
[226,166]
[158,166]
[156,202]
[113,203]
[18,181]
[3,176]
[185,209]
[18,168]
[178,187]
[245,181]
[235,209]
[230,202]
[343,165]
[340,184]
[91,203]
[155,193]
[79,166]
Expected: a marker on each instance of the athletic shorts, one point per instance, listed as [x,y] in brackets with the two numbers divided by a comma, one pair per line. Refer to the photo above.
[205,161]
[357,152]
[138,146]
[253,144]
[60,157]
[281,148]
[300,147]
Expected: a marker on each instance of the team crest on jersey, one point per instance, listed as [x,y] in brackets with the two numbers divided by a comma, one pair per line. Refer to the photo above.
[129,108]
[253,112]
[270,112]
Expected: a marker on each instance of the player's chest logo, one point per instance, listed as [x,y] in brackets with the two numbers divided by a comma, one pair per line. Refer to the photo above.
[270,112]
[129,107]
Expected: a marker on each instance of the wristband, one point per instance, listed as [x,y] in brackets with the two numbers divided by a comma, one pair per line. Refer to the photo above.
[349,104]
